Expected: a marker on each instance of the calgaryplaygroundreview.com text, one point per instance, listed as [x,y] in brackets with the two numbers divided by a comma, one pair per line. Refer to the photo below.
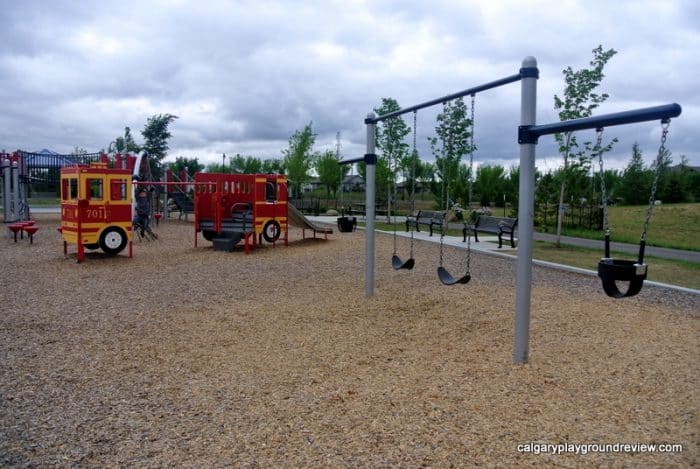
[587,448]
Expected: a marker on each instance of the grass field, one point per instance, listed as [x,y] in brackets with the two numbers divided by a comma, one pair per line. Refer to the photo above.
[681,273]
[672,226]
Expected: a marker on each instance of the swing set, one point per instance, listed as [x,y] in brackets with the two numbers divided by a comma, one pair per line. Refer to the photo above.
[610,270]
[443,274]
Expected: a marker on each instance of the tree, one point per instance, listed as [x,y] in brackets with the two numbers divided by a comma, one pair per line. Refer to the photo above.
[298,158]
[156,136]
[679,187]
[389,140]
[126,143]
[329,171]
[245,165]
[192,165]
[272,166]
[636,180]
[579,101]
[490,183]
[452,142]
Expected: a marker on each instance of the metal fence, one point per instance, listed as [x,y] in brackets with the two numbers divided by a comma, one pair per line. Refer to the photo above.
[42,171]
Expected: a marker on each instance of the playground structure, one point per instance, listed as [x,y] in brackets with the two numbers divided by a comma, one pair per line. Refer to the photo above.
[97,203]
[229,208]
[14,200]
[96,208]
[528,135]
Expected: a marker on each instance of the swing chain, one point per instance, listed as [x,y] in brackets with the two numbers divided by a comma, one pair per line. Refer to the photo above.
[471,179]
[413,163]
[603,190]
[657,171]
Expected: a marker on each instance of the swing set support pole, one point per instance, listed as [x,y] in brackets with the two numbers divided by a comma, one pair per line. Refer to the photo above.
[526,209]
[370,160]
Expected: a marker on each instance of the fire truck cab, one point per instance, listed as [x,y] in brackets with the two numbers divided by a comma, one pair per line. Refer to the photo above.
[96,211]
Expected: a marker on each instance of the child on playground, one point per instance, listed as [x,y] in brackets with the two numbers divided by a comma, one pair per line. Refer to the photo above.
[143,210]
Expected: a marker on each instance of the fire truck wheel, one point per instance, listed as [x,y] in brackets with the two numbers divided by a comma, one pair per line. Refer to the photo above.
[271,231]
[112,240]
[92,246]
[208,234]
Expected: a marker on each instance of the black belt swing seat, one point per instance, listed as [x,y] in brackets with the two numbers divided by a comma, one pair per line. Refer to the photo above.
[396,262]
[443,274]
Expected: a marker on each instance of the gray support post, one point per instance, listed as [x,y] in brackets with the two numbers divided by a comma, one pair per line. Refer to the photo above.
[166,212]
[370,176]
[6,190]
[15,191]
[526,209]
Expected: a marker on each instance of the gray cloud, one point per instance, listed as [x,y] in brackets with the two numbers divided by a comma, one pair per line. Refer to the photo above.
[243,75]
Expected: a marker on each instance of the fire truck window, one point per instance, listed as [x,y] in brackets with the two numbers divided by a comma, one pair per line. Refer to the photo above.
[118,189]
[64,189]
[72,188]
[96,188]
[270,192]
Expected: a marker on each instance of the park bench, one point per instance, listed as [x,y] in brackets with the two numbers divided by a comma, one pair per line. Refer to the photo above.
[429,218]
[495,225]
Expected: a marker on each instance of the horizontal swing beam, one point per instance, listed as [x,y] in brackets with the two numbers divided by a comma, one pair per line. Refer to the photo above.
[524,72]
[531,133]
[369,158]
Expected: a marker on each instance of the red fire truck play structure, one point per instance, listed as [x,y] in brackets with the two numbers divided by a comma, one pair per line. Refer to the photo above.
[96,208]
[97,213]
[232,207]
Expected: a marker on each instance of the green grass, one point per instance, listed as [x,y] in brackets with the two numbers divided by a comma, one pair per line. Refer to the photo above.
[44,202]
[682,273]
[674,226]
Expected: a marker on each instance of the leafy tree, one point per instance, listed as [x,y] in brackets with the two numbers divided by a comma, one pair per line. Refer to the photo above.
[451,143]
[272,166]
[156,136]
[612,179]
[512,188]
[126,143]
[424,173]
[192,165]
[490,183]
[636,179]
[298,158]
[680,183]
[329,171]
[245,165]
[580,99]
[389,137]
[216,168]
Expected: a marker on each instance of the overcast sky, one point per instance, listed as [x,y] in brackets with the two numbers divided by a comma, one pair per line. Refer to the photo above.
[243,76]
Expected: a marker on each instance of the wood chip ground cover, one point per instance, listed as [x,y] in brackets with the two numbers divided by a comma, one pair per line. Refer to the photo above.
[190,356]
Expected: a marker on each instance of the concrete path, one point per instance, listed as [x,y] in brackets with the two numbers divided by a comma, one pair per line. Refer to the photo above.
[490,243]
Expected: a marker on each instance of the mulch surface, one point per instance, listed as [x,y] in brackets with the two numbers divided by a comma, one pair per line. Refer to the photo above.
[190,356]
